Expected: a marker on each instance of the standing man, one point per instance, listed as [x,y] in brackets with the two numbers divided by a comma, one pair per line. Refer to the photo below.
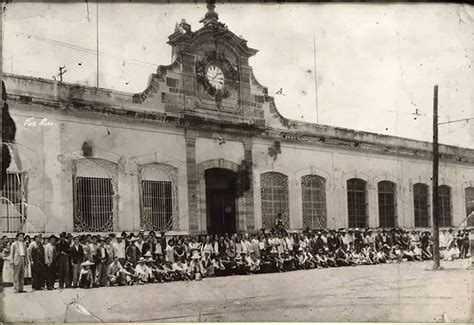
[50,262]
[64,250]
[100,259]
[77,257]
[20,260]
[38,268]
[119,249]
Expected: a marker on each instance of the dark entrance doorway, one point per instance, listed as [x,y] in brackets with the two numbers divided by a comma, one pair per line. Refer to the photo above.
[220,200]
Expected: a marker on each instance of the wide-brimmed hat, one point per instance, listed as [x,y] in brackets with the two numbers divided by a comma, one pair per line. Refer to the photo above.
[148,254]
[142,260]
[52,236]
[87,263]
[134,239]
[195,255]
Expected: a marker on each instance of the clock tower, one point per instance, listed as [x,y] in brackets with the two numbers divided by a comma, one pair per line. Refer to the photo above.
[215,73]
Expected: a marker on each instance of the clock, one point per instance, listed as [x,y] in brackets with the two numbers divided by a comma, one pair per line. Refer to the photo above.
[218,76]
[215,76]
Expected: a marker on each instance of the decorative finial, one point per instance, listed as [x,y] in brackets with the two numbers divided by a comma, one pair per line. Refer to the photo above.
[211,15]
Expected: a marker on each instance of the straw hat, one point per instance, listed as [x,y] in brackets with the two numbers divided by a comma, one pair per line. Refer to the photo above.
[195,255]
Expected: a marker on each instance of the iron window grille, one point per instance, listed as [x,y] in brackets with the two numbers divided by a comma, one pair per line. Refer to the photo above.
[357,203]
[274,196]
[445,215]
[14,201]
[94,204]
[387,204]
[469,193]
[158,197]
[95,201]
[313,189]
[421,205]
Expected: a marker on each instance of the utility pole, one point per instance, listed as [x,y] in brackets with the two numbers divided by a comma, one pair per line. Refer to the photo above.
[315,79]
[436,257]
[97,43]
[62,71]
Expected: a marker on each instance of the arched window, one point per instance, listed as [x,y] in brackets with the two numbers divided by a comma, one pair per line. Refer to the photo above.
[357,202]
[387,204]
[469,193]
[14,202]
[314,201]
[159,207]
[421,205]
[274,192]
[95,185]
[445,219]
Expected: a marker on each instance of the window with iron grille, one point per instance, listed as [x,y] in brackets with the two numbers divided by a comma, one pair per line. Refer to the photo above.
[158,197]
[274,193]
[469,193]
[14,202]
[94,198]
[313,189]
[445,219]
[357,202]
[387,204]
[95,206]
[421,205]
[157,203]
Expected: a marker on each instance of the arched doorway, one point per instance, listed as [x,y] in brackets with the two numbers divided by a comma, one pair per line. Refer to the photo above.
[220,200]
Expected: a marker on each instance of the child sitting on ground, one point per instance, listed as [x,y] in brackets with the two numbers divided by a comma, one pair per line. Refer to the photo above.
[85,275]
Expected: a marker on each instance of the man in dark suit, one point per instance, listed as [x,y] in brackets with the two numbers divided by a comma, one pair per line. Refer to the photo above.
[318,243]
[38,267]
[77,257]
[63,249]
[150,244]
[50,259]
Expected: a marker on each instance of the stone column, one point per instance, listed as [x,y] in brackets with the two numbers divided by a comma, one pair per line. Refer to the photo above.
[249,203]
[193,215]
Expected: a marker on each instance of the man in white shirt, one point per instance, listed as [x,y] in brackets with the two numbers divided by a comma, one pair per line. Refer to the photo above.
[245,244]
[253,262]
[143,271]
[119,249]
[443,240]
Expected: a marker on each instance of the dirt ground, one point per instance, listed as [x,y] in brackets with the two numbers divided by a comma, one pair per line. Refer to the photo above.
[406,292]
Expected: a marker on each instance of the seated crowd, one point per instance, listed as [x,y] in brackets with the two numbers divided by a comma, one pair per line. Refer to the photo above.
[93,261]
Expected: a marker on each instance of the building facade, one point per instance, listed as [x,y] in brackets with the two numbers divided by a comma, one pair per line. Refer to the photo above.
[204,149]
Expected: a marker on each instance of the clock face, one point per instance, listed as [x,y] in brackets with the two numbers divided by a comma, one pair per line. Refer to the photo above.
[215,76]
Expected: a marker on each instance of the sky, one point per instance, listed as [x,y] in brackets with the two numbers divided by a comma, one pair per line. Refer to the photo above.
[376,64]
